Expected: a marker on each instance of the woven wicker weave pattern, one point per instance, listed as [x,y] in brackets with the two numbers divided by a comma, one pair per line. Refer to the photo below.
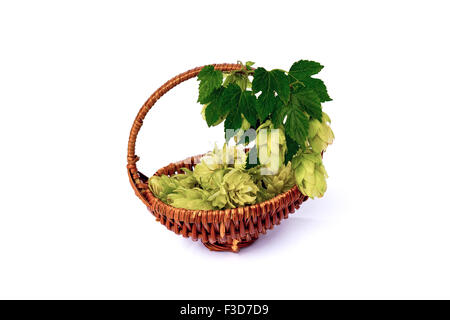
[219,230]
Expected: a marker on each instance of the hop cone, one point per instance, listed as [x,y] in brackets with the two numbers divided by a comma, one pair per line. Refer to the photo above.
[191,199]
[267,144]
[310,174]
[186,180]
[237,189]
[320,134]
[161,186]
[217,163]
[279,183]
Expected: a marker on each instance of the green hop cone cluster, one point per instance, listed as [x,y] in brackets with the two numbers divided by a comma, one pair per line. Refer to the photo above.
[236,189]
[320,134]
[271,145]
[216,163]
[310,174]
[191,199]
[218,181]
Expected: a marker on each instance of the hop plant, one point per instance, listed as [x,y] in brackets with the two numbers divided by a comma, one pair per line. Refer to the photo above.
[237,189]
[310,174]
[191,199]
[268,145]
[320,134]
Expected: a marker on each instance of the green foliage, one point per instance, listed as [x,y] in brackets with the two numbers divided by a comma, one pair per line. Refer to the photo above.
[250,98]
[319,88]
[291,149]
[269,83]
[307,101]
[297,125]
[304,69]
[210,80]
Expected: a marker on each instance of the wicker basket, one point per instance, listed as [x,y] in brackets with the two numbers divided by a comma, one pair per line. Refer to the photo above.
[219,230]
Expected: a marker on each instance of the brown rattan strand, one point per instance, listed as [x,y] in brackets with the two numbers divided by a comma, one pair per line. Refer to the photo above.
[219,230]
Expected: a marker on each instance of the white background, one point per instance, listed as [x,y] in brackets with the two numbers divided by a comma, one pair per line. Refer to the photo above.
[73,75]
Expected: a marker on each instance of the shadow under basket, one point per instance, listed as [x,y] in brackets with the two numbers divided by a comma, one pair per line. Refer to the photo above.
[219,230]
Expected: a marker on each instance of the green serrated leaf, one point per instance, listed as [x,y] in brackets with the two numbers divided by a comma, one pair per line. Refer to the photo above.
[269,82]
[319,88]
[308,101]
[304,68]
[297,125]
[266,104]
[292,149]
[231,96]
[210,80]
[244,102]
[247,105]
[215,111]
[233,121]
[279,114]
[212,114]
[281,84]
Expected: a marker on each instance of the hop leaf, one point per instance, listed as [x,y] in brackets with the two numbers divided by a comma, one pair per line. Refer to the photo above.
[310,174]
[304,69]
[210,80]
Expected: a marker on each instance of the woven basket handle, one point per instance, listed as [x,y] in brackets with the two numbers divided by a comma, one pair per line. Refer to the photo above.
[132,158]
